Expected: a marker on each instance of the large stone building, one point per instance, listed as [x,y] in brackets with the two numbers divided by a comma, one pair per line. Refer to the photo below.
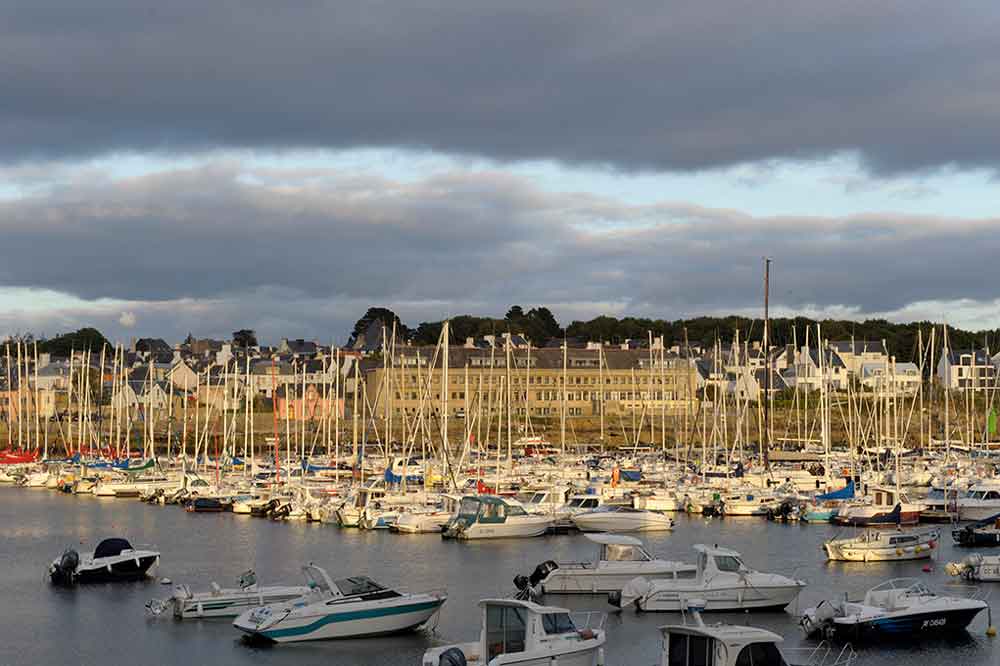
[538,381]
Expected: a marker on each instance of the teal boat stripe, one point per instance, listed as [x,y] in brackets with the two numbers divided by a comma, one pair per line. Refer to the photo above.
[353,615]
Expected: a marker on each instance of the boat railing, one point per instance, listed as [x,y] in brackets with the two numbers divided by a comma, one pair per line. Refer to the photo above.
[592,620]
[979,593]
[823,654]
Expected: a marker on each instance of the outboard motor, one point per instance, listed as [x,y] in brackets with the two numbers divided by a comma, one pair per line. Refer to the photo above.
[542,572]
[452,657]
[63,572]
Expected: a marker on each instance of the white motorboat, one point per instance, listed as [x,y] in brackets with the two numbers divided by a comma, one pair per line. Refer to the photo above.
[976,568]
[620,559]
[698,644]
[883,546]
[661,500]
[493,517]
[898,608]
[113,560]
[521,632]
[353,607]
[428,520]
[225,602]
[722,580]
[622,519]
[981,501]
[574,506]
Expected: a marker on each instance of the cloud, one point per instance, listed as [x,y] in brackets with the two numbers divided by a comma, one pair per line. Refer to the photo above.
[641,85]
[304,252]
[127,320]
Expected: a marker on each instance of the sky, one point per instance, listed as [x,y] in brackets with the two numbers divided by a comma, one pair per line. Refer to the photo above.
[179,167]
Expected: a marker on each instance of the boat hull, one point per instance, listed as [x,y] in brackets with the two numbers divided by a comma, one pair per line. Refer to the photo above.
[595,581]
[724,599]
[342,623]
[123,571]
[904,626]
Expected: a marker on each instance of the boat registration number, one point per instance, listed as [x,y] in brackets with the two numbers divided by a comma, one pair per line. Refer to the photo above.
[936,622]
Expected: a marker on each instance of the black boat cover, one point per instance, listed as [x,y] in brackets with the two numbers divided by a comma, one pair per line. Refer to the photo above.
[111,547]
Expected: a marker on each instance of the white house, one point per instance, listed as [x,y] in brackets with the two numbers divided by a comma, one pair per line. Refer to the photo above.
[890,378]
[967,370]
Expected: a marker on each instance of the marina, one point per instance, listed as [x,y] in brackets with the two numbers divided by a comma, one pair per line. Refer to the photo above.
[199,549]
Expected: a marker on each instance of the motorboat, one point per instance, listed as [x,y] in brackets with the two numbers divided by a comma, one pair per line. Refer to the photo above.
[660,500]
[622,519]
[981,501]
[574,506]
[977,567]
[881,546]
[885,507]
[898,608]
[207,505]
[698,644]
[225,602]
[546,501]
[620,559]
[428,520]
[113,560]
[352,607]
[515,631]
[722,580]
[983,533]
[493,517]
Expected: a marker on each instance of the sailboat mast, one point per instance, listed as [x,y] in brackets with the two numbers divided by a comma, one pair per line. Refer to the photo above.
[766,439]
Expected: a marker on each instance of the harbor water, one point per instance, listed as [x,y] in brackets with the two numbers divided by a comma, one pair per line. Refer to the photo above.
[107,624]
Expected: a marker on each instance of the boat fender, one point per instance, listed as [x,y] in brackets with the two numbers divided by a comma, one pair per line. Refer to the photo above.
[899,551]
[452,657]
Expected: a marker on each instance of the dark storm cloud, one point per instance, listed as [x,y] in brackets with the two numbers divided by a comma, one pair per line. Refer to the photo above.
[640,84]
[225,244]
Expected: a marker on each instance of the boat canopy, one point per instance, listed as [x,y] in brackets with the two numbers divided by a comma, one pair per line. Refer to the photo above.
[112,547]
[847,492]
[606,539]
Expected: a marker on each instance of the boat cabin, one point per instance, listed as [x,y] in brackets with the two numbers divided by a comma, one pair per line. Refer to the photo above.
[512,626]
[620,548]
[579,503]
[720,645]
[713,560]
[487,509]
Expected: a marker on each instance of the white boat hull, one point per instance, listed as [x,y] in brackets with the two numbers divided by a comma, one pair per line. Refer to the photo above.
[524,527]
[343,621]
[617,522]
[734,598]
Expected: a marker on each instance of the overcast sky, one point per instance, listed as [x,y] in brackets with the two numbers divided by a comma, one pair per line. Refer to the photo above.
[182,167]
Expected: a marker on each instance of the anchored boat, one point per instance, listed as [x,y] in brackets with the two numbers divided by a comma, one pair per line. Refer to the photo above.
[880,546]
[620,559]
[113,560]
[898,608]
[515,631]
[722,580]
[492,517]
[225,602]
[354,607]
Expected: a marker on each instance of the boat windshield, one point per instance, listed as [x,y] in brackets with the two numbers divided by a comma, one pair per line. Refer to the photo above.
[352,587]
[614,552]
[515,510]
[558,623]
[469,507]
[760,654]
[537,498]
[728,563]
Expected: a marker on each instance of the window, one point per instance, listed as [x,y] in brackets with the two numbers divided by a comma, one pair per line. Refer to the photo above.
[686,650]
[505,630]
[728,563]
[558,623]
[760,654]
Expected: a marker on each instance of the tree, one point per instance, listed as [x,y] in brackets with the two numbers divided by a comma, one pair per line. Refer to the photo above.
[80,340]
[245,338]
[384,315]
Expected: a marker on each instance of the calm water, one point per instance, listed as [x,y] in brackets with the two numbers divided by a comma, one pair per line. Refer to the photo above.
[108,624]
